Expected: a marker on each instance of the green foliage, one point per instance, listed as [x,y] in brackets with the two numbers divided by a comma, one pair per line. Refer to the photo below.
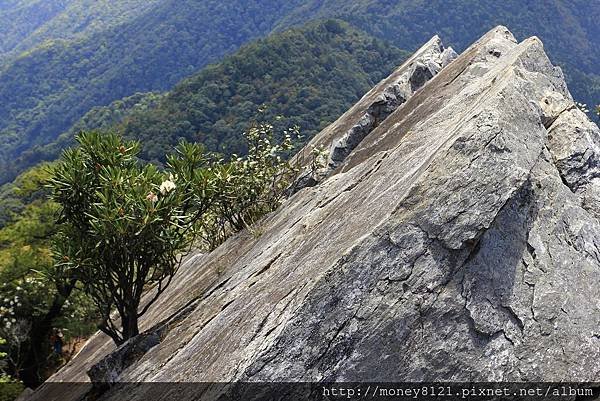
[25,189]
[46,89]
[249,187]
[123,226]
[9,387]
[98,118]
[319,156]
[27,24]
[20,19]
[35,295]
[310,76]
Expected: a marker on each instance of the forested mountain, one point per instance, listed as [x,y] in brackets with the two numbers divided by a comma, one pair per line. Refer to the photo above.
[307,75]
[98,118]
[47,89]
[569,29]
[72,55]
[20,18]
[26,24]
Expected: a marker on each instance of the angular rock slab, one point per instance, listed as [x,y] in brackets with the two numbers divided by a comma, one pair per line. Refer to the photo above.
[341,137]
[458,241]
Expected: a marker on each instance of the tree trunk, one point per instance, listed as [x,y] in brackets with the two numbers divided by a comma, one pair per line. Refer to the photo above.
[130,323]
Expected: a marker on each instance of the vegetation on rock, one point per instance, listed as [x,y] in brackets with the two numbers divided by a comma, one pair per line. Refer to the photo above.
[124,226]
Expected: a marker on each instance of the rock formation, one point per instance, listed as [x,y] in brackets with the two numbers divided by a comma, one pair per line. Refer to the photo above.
[458,239]
[341,137]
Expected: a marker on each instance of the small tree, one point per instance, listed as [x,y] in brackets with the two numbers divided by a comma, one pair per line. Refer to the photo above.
[124,226]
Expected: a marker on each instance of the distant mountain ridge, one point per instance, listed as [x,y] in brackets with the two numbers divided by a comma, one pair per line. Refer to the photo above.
[20,18]
[308,75]
[46,90]
[26,24]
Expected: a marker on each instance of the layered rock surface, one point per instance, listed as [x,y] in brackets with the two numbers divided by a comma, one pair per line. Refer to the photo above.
[343,136]
[458,240]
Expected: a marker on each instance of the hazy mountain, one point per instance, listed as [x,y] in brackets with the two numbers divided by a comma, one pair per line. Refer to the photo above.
[47,89]
[307,76]
[26,24]
[20,18]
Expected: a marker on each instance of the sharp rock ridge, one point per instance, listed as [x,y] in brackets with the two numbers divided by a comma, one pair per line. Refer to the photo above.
[454,235]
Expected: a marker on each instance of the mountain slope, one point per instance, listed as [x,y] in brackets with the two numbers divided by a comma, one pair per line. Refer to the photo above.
[43,92]
[307,75]
[39,21]
[71,66]
[20,18]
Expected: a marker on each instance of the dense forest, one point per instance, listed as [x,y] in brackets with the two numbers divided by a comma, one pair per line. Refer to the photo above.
[19,19]
[46,89]
[79,54]
[308,75]
[25,24]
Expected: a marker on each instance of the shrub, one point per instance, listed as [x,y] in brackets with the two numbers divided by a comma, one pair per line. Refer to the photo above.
[252,186]
[124,226]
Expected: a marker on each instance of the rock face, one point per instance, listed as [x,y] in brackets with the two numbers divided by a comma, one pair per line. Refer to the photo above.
[458,240]
[341,137]
[389,95]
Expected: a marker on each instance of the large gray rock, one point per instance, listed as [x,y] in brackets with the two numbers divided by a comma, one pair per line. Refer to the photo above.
[459,240]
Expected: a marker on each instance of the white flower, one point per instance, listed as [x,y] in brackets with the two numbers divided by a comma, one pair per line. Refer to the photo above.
[167,186]
[152,197]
